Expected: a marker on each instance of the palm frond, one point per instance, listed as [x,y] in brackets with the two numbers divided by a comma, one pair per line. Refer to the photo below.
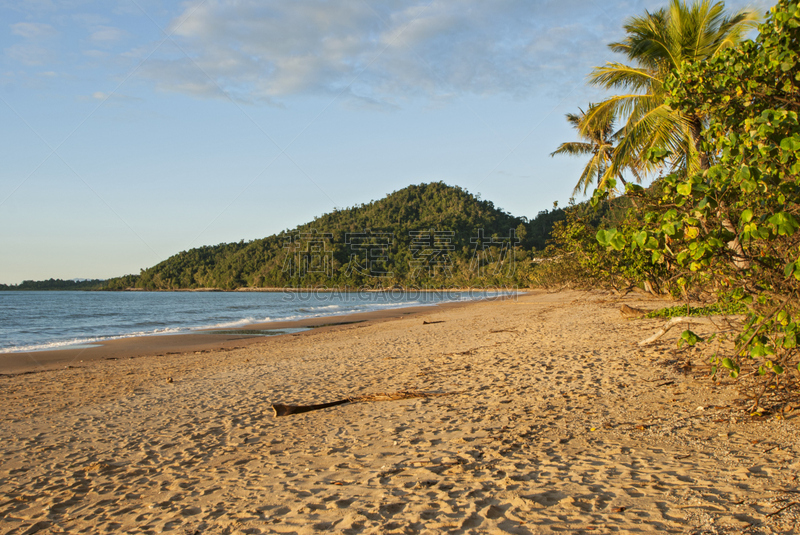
[612,75]
[573,149]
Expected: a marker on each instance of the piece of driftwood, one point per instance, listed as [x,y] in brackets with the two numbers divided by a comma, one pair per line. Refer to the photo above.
[715,321]
[286,410]
[631,312]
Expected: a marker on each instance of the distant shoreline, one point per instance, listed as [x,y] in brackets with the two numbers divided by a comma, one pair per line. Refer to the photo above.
[345,289]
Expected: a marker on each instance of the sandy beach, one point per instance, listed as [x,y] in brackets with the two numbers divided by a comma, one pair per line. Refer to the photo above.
[538,414]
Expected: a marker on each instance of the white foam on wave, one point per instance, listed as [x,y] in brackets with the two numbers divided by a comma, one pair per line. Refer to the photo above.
[228,324]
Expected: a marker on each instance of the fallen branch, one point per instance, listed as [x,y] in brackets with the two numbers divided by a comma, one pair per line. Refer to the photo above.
[782,509]
[286,410]
[708,320]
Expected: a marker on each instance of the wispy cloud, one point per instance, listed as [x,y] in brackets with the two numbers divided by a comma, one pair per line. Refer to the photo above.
[33,30]
[379,51]
[107,34]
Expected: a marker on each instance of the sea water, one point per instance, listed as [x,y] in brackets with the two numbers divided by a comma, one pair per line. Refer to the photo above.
[35,321]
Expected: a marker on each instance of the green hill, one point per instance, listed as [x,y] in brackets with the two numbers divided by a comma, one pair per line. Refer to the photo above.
[424,235]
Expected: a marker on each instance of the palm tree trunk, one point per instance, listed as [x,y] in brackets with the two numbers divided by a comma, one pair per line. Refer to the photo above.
[696,127]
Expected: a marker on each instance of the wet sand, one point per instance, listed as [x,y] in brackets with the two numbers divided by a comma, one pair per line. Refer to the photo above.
[542,415]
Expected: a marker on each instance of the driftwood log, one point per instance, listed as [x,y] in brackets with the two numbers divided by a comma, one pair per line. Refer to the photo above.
[286,410]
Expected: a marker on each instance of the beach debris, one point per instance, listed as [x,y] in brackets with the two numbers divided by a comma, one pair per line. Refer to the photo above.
[285,410]
[718,322]
[631,312]
[432,322]
[472,350]
[169,379]
[782,509]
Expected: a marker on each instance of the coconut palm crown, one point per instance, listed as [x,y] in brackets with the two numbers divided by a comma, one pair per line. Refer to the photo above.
[657,43]
[597,141]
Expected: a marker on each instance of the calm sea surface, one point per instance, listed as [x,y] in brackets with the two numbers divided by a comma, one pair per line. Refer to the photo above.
[31,321]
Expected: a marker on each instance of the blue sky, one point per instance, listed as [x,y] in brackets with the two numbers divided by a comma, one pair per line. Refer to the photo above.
[134,129]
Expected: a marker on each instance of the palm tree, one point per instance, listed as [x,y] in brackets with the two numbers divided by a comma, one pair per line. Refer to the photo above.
[597,141]
[659,43]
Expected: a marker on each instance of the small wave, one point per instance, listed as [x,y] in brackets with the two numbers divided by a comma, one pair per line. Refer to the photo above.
[310,310]
[228,324]
[65,344]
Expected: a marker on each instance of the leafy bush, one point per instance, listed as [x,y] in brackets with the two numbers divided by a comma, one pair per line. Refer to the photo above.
[733,227]
[594,252]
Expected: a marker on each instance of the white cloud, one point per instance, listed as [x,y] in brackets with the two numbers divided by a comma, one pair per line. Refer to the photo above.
[33,30]
[107,34]
[113,98]
[29,54]
[378,51]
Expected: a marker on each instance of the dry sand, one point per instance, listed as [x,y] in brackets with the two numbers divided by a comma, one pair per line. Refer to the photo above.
[556,422]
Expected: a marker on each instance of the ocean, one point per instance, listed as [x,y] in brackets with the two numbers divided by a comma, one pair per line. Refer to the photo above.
[36,321]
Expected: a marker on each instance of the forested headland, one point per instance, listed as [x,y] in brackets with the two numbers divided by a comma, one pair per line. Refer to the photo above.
[426,235]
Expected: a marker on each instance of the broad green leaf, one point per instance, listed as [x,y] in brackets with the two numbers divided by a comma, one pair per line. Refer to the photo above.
[604,236]
[669,228]
[747,215]
[785,223]
[617,242]
[611,238]
[760,350]
[744,173]
[685,188]
[790,143]
[690,338]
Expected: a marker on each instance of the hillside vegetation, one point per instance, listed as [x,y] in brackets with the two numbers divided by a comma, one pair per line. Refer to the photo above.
[431,235]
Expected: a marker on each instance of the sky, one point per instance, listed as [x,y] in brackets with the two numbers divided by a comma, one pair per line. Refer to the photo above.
[136,129]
